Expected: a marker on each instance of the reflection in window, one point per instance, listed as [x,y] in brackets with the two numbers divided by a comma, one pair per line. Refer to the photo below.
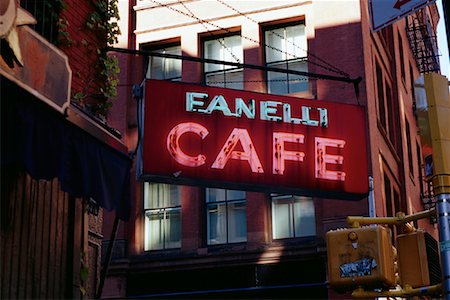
[226,216]
[162,208]
[225,49]
[286,49]
[164,68]
[293,216]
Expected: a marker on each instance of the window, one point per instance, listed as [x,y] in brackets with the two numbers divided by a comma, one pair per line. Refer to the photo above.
[392,198]
[229,49]
[387,108]
[420,169]
[390,112]
[226,216]
[409,147]
[387,35]
[164,68]
[285,48]
[381,101]
[293,216]
[162,209]
[402,61]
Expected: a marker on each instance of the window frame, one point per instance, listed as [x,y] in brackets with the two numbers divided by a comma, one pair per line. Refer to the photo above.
[164,210]
[387,108]
[409,146]
[288,61]
[225,69]
[392,197]
[292,199]
[227,203]
[158,47]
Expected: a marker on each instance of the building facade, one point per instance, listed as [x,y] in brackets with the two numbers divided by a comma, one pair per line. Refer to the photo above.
[244,244]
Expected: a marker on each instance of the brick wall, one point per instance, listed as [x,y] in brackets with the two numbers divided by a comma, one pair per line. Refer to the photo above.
[82,52]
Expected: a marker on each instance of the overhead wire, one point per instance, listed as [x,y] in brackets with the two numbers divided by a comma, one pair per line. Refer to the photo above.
[201,21]
[330,67]
[221,41]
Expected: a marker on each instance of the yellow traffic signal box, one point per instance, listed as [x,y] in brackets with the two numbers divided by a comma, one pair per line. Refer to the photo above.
[418,259]
[360,257]
[412,259]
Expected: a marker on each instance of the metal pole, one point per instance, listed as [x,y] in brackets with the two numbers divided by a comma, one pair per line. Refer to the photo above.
[443,216]
[371,199]
[105,268]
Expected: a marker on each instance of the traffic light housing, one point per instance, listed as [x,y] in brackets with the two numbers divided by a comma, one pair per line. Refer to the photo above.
[360,257]
[418,259]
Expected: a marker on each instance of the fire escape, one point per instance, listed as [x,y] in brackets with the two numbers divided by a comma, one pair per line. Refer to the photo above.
[422,41]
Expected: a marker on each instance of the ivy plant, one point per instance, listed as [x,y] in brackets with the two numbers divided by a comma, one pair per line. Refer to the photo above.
[103,21]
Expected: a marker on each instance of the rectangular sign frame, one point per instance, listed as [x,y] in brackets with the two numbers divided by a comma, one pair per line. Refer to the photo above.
[234,139]
[385,12]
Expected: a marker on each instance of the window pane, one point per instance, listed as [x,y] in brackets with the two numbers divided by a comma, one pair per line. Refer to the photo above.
[172,67]
[232,50]
[235,195]
[173,228]
[277,82]
[297,83]
[213,49]
[216,79]
[304,217]
[282,226]
[226,49]
[234,80]
[156,195]
[237,224]
[174,198]
[216,222]
[165,68]
[380,92]
[296,41]
[214,195]
[156,69]
[274,39]
[154,235]
[153,195]
[284,47]
[162,225]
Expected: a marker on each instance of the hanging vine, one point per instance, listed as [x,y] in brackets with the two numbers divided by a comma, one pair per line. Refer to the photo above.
[103,22]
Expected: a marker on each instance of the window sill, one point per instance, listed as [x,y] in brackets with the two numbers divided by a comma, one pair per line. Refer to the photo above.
[162,252]
[227,247]
[295,241]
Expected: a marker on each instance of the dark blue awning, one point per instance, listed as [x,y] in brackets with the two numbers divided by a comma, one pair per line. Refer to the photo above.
[37,139]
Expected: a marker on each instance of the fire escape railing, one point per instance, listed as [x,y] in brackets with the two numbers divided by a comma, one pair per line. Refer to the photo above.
[423,42]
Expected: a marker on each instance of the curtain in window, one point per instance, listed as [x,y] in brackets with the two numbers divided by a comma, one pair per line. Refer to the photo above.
[293,216]
[162,203]
[165,68]
[226,216]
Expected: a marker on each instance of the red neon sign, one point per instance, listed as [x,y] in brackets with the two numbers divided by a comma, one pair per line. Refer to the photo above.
[209,136]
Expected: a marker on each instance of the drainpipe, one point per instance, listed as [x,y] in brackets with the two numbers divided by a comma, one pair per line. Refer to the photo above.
[371,199]
[105,268]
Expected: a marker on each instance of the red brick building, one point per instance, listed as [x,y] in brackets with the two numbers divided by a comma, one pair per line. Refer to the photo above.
[54,152]
[235,243]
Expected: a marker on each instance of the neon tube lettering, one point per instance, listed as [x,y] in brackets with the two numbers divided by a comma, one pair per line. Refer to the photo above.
[280,155]
[191,101]
[322,159]
[173,145]
[249,154]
